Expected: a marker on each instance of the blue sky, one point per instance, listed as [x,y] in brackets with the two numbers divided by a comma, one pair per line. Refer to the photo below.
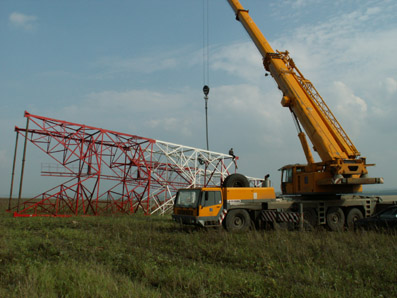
[137,67]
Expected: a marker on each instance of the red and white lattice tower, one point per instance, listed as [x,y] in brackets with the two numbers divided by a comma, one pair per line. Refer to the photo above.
[110,172]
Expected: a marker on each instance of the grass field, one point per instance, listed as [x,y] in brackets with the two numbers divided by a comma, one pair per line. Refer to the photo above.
[142,256]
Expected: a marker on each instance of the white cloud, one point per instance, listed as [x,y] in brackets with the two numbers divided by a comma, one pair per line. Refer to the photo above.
[257,109]
[20,20]
[391,85]
[240,59]
[350,59]
[352,31]
[159,115]
[183,126]
[349,101]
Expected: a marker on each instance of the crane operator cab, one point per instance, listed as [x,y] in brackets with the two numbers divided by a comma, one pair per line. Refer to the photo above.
[310,179]
[316,178]
[301,179]
[288,178]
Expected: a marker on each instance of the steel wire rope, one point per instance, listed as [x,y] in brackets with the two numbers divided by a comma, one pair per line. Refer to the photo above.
[206,59]
[206,53]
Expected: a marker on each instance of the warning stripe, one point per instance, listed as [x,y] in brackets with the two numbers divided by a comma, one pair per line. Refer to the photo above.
[269,216]
[222,216]
[279,216]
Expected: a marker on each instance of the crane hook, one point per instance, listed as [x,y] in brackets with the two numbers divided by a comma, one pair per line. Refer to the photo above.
[206,90]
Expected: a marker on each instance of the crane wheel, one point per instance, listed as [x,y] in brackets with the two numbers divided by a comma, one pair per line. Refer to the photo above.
[238,220]
[236,180]
[335,219]
[353,215]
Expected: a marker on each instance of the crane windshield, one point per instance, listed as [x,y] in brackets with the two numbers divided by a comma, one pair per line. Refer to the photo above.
[187,198]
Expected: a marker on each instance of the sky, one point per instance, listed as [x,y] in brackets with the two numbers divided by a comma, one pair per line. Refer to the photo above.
[137,67]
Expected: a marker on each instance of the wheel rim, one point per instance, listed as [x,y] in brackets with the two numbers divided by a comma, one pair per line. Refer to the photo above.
[335,218]
[238,221]
[353,215]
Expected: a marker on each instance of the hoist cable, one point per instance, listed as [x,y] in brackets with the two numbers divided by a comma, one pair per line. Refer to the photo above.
[206,50]
[206,54]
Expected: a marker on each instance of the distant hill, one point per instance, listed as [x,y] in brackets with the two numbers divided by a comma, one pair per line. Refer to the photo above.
[381,192]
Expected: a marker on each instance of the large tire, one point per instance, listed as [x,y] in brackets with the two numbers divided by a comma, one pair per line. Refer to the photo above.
[237,220]
[353,215]
[236,180]
[335,219]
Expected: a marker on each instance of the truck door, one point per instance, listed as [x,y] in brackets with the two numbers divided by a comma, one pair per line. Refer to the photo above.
[211,203]
[287,181]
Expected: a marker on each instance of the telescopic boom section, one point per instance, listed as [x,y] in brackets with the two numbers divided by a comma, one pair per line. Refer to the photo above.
[299,95]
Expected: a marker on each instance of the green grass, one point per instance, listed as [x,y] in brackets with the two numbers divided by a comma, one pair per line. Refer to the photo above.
[150,256]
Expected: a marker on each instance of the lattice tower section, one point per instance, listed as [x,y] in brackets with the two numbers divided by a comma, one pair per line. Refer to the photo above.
[109,172]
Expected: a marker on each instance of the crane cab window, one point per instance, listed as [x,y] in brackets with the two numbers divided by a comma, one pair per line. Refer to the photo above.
[211,198]
[187,198]
[287,175]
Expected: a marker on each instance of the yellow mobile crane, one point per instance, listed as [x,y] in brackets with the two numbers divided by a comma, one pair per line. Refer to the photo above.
[323,193]
[341,169]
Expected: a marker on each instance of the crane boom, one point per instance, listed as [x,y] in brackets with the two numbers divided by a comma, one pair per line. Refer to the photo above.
[340,158]
[324,131]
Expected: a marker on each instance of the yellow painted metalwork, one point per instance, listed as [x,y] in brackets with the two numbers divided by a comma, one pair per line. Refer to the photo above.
[212,210]
[306,149]
[327,136]
[249,193]
[338,154]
